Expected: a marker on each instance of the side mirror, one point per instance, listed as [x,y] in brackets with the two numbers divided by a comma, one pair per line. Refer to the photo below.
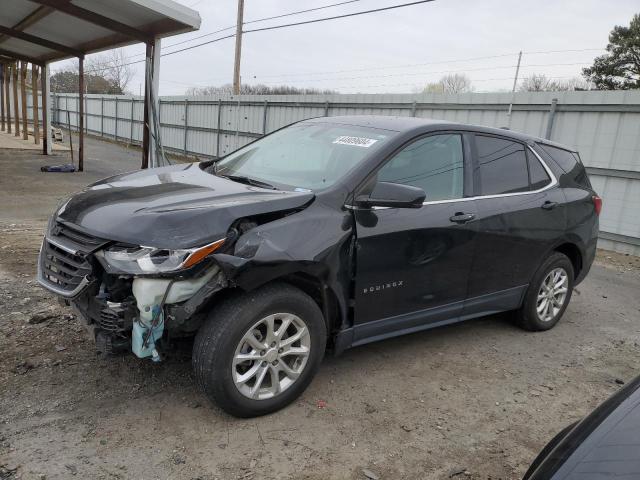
[394,195]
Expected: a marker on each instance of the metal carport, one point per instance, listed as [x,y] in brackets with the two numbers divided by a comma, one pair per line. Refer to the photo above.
[43,31]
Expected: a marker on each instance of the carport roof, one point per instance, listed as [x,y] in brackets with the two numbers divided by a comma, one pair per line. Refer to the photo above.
[41,31]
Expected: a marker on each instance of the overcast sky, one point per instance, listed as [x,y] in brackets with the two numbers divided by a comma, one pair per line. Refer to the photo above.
[393,51]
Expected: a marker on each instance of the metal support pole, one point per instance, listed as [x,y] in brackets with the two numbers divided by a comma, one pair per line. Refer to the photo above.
[115,133]
[7,94]
[413,109]
[81,114]
[131,124]
[218,128]
[236,67]
[551,118]
[46,125]
[102,116]
[145,119]
[186,125]
[264,117]
[155,98]
[34,101]
[326,109]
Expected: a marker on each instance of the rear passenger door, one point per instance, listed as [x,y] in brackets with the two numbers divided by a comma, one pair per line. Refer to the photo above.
[520,215]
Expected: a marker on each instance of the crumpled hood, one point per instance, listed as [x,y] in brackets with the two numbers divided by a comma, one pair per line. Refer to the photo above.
[180,206]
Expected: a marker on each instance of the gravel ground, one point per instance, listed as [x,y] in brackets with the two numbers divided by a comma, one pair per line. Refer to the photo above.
[476,400]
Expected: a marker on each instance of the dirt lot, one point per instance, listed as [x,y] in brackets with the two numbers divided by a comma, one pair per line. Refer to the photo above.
[476,400]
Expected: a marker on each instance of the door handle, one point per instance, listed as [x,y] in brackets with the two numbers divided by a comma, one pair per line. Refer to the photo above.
[548,205]
[460,217]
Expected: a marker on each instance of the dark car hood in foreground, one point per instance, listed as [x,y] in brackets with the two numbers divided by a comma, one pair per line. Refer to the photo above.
[604,445]
[180,206]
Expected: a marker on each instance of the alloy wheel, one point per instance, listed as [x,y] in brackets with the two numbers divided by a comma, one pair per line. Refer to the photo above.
[552,294]
[271,356]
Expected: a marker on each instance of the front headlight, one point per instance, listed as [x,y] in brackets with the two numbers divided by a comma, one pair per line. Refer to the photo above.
[147,260]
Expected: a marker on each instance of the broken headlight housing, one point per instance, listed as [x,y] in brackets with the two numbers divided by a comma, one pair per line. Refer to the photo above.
[149,260]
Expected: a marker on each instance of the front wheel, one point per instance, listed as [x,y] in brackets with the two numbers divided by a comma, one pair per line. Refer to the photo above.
[548,294]
[259,351]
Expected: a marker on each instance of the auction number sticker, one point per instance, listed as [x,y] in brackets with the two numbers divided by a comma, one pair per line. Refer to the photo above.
[355,141]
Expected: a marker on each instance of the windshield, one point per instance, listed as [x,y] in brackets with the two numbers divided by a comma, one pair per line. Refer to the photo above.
[309,156]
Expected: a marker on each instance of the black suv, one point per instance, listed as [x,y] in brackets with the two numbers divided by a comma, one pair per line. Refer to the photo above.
[329,232]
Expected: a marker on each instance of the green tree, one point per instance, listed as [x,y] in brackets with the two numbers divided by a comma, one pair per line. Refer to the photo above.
[619,68]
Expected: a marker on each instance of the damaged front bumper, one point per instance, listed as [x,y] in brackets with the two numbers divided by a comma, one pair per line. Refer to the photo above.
[124,311]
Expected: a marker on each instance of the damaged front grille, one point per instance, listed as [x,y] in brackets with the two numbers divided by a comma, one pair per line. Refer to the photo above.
[63,265]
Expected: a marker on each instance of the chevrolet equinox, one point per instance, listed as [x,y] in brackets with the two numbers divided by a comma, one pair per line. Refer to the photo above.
[331,232]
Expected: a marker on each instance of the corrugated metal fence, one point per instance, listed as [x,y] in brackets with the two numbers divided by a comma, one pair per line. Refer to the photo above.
[603,126]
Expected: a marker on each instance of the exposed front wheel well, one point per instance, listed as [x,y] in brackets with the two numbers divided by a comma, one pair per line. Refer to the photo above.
[572,251]
[323,296]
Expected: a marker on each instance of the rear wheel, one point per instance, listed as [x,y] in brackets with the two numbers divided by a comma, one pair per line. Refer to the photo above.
[548,294]
[259,351]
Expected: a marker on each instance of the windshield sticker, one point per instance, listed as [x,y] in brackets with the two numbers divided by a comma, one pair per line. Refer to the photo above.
[355,141]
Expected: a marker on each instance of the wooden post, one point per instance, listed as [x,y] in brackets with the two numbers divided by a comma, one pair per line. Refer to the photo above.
[81,114]
[7,94]
[16,114]
[34,98]
[23,99]
[2,74]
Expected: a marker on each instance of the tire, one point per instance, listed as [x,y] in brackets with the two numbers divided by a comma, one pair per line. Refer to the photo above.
[231,332]
[527,316]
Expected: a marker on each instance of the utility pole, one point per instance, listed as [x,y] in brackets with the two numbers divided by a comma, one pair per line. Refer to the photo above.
[236,68]
[515,81]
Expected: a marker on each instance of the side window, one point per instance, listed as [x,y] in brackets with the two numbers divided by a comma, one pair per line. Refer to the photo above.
[538,176]
[433,163]
[502,166]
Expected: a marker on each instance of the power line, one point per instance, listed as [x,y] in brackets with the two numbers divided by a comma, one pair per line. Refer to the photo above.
[306,22]
[392,7]
[437,72]
[414,65]
[256,21]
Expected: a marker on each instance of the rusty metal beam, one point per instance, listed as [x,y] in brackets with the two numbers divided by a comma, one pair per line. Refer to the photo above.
[87,15]
[43,42]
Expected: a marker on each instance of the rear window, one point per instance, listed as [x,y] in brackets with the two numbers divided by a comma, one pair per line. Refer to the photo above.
[564,158]
[569,162]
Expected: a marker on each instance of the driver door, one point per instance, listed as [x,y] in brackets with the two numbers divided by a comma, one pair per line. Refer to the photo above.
[413,264]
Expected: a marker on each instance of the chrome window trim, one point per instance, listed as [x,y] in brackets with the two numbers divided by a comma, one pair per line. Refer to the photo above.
[551,184]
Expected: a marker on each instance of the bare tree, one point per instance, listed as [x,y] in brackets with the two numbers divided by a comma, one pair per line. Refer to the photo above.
[108,72]
[542,83]
[536,83]
[451,83]
[258,89]
[113,66]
